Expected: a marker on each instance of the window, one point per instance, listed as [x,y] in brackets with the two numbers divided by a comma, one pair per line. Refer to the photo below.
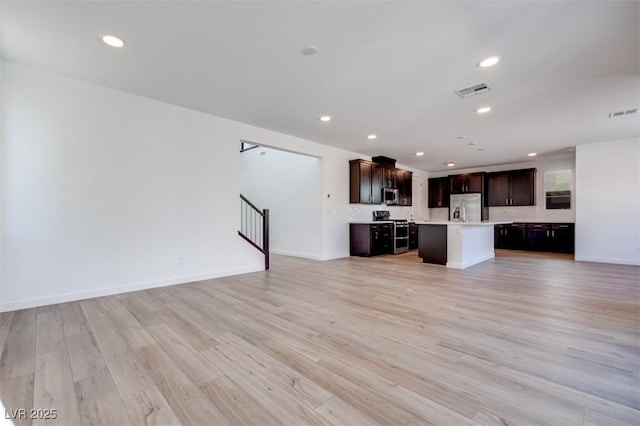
[557,189]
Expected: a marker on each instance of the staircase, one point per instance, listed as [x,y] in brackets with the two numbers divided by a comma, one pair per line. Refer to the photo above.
[254,227]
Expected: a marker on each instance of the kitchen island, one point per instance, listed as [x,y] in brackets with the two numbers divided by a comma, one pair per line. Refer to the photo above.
[456,244]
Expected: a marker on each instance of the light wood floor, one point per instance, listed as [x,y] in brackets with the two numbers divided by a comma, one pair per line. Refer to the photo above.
[516,340]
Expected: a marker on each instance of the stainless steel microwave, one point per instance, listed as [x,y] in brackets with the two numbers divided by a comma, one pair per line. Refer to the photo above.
[390,196]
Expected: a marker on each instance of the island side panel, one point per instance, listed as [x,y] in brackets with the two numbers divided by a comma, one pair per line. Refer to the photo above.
[432,243]
[469,245]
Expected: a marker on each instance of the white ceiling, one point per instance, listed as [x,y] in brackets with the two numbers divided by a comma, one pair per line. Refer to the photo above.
[388,68]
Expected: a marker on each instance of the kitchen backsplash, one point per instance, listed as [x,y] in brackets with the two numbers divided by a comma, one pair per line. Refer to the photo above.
[532,214]
[517,214]
[365,212]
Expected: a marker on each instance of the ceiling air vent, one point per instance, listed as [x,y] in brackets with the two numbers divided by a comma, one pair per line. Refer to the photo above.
[477,89]
[621,113]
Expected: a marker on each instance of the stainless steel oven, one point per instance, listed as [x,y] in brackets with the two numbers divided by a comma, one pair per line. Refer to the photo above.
[401,236]
[400,231]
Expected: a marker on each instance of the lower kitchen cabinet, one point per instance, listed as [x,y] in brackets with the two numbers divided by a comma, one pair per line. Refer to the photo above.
[413,236]
[370,239]
[551,237]
[432,244]
[511,236]
[538,236]
[542,237]
[563,237]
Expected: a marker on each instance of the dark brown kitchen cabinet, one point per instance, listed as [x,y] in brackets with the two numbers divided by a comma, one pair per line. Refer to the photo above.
[439,192]
[370,239]
[538,236]
[551,237]
[404,182]
[510,188]
[432,243]
[413,236]
[542,237]
[511,236]
[366,182]
[563,237]
[468,182]
[389,177]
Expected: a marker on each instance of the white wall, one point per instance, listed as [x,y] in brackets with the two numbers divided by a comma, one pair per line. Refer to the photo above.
[290,186]
[608,202]
[536,213]
[105,192]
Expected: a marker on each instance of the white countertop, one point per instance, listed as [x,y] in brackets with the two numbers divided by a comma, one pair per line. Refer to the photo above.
[369,222]
[450,222]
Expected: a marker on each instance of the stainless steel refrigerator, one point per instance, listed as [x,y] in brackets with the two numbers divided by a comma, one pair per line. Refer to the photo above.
[466,207]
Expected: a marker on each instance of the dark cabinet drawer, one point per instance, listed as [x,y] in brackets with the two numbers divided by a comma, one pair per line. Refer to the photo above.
[511,236]
[538,237]
[413,236]
[370,240]
[381,239]
[542,237]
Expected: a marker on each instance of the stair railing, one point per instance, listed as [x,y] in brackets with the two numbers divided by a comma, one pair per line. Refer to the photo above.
[254,227]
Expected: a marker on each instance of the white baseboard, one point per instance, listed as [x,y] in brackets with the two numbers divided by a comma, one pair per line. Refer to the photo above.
[296,254]
[310,256]
[81,295]
[606,260]
[336,256]
[464,265]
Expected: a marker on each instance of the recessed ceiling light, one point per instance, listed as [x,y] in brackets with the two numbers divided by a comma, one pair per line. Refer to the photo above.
[471,143]
[459,137]
[420,154]
[483,110]
[112,40]
[532,154]
[371,137]
[450,164]
[309,50]
[325,118]
[480,149]
[489,62]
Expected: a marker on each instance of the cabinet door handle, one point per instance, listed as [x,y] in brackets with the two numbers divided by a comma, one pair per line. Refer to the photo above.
[553,233]
[547,233]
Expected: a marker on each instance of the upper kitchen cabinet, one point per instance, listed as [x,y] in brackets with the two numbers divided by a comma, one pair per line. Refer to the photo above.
[511,188]
[404,182]
[366,182]
[468,182]
[389,176]
[439,192]
[367,178]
